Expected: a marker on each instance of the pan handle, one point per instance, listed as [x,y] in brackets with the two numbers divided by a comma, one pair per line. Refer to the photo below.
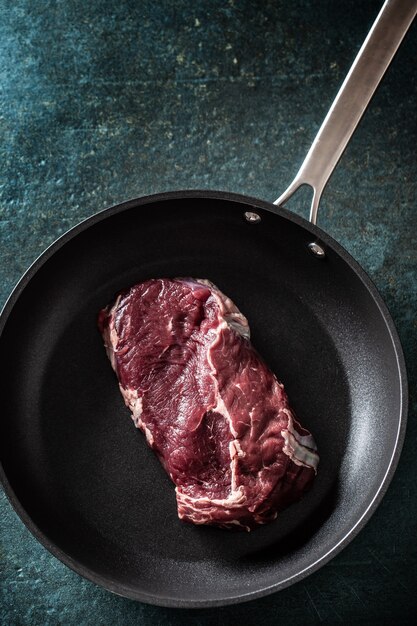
[352,99]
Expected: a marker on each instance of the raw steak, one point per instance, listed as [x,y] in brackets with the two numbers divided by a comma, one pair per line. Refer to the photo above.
[210,408]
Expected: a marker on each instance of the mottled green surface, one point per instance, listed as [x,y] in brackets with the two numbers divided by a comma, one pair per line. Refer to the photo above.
[102,101]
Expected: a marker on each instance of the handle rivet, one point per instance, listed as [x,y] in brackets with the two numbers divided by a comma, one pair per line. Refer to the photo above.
[252,217]
[316,249]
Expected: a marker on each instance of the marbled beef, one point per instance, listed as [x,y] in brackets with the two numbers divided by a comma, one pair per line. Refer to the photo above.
[210,408]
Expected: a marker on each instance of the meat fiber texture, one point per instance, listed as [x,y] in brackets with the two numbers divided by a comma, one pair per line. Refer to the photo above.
[216,416]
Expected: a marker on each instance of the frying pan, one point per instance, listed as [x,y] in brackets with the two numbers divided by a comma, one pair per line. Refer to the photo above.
[84,481]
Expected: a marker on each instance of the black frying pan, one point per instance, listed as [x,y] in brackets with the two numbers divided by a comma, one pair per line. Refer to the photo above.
[83,479]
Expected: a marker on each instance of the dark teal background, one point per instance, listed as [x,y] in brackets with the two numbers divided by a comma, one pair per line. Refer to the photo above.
[102,101]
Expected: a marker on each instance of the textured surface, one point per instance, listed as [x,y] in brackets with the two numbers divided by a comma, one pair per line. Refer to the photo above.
[211,409]
[104,101]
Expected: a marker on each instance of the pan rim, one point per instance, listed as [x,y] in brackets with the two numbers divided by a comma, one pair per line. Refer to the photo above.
[327,240]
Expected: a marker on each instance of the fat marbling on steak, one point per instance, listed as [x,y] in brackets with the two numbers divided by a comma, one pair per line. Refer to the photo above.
[216,416]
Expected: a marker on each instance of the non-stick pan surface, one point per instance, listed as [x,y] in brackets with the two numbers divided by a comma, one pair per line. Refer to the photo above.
[82,477]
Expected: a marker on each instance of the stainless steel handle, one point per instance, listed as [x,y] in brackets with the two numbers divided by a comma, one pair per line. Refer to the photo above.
[352,99]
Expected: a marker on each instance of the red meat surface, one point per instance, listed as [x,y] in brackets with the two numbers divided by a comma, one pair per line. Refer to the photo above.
[216,416]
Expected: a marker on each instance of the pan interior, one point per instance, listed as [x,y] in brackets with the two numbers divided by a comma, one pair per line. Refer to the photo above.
[85,476]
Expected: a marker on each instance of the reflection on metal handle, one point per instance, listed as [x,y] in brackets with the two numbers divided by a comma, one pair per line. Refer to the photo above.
[354,95]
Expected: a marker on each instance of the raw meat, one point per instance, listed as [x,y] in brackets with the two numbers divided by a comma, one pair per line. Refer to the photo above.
[210,408]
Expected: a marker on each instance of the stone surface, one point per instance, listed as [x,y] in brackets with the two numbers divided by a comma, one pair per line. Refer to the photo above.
[103,101]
